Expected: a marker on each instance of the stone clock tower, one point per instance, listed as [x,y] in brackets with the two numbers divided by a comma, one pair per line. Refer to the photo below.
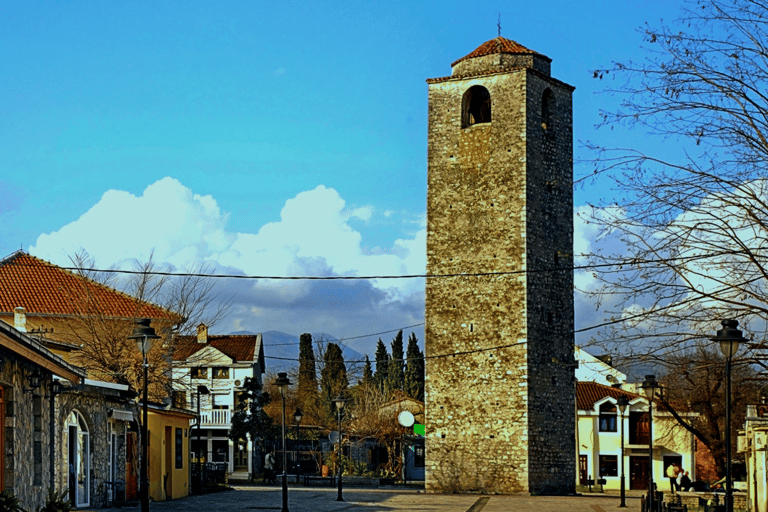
[500,390]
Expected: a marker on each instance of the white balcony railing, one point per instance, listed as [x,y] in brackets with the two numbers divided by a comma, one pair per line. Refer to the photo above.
[215,418]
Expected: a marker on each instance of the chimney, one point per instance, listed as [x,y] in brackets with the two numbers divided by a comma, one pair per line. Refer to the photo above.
[20,319]
[202,333]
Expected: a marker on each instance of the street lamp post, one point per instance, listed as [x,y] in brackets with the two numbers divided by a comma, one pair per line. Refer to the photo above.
[201,390]
[622,402]
[649,388]
[297,416]
[283,382]
[144,336]
[729,338]
[339,401]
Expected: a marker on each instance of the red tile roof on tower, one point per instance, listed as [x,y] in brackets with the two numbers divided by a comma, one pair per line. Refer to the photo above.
[500,45]
[588,393]
[43,288]
[239,347]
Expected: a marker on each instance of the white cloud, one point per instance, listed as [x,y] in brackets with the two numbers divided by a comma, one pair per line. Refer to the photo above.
[312,238]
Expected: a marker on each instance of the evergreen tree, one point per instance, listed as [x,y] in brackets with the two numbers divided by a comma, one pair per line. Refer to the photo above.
[249,418]
[333,377]
[307,390]
[382,365]
[414,370]
[395,368]
[367,379]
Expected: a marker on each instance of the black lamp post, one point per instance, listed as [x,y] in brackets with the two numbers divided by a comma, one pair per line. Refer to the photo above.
[144,336]
[339,401]
[649,388]
[283,382]
[729,338]
[297,416]
[201,390]
[622,402]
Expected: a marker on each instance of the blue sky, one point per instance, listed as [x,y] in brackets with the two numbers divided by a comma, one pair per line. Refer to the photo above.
[269,138]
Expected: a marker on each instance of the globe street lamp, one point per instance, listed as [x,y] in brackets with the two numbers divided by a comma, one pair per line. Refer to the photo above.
[201,390]
[729,338]
[339,401]
[649,388]
[283,382]
[144,336]
[622,402]
[297,416]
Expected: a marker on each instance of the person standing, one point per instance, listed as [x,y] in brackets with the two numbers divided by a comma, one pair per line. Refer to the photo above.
[269,465]
[684,481]
[672,472]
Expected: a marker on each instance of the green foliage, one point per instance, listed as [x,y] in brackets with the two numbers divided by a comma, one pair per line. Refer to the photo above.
[56,502]
[249,418]
[367,379]
[307,390]
[333,377]
[414,370]
[395,368]
[9,502]
[382,365]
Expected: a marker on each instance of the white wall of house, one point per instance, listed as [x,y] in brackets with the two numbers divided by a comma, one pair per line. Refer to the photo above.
[224,379]
[669,440]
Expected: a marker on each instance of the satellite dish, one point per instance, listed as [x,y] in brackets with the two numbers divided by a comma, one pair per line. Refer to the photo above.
[237,382]
[334,436]
[406,419]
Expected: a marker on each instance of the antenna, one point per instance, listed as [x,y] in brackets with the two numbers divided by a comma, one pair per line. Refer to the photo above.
[498,24]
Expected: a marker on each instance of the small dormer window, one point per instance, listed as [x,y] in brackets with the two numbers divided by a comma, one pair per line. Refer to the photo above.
[476,106]
[608,417]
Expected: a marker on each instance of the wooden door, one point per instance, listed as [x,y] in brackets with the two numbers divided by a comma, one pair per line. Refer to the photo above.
[583,469]
[638,473]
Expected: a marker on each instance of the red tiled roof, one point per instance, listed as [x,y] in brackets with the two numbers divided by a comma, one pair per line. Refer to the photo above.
[241,347]
[587,393]
[46,289]
[499,45]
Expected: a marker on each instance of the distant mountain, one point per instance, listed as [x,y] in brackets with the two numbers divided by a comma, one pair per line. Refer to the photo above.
[281,351]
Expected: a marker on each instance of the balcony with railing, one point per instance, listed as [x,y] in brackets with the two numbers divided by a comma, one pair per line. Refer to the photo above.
[215,418]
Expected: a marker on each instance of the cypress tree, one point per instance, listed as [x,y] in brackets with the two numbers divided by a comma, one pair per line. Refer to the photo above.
[333,377]
[395,370]
[414,370]
[367,373]
[382,365]
[307,389]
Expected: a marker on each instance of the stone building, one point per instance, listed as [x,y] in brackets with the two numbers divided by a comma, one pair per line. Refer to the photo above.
[28,455]
[500,395]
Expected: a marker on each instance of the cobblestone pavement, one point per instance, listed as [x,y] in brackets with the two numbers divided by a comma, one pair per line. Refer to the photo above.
[310,499]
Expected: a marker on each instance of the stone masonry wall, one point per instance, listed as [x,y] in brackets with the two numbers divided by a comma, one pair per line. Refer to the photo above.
[549,240]
[485,425]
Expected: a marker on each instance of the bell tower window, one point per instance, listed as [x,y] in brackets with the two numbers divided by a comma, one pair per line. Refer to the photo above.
[475,106]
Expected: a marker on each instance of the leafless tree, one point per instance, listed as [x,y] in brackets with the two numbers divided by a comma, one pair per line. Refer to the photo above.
[687,244]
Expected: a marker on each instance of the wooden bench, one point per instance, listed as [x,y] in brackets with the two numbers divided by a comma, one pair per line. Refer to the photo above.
[314,478]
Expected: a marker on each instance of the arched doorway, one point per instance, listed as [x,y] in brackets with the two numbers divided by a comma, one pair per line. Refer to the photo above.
[78,459]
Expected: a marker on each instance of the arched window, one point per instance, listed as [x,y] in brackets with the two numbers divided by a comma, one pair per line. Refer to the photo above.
[547,107]
[78,459]
[608,417]
[475,106]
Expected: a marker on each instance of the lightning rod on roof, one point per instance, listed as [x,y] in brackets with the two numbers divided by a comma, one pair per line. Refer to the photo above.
[498,24]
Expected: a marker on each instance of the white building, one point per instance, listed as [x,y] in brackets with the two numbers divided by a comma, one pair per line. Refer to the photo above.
[599,433]
[214,369]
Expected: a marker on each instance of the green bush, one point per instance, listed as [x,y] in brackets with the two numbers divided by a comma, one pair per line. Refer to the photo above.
[56,502]
[9,502]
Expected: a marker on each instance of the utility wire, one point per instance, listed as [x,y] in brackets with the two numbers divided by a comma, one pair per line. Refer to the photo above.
[631,262]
